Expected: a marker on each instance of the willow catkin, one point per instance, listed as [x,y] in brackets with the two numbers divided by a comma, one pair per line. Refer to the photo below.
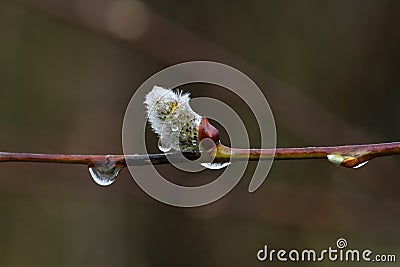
[172,119]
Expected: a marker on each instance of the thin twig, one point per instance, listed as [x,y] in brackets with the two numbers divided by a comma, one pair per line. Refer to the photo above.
[90,160]
[347,156]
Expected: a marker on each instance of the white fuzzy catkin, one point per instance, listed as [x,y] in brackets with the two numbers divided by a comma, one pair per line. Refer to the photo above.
[172,119]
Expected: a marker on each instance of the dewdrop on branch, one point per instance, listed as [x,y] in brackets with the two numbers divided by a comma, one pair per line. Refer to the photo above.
[176,124]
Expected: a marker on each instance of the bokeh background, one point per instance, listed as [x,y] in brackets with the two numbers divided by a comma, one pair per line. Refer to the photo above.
[330,70]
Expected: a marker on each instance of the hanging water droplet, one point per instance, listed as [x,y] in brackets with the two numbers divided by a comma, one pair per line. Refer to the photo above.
[163,146]
[360,165]
[174,128]
[104,174]
[216,165]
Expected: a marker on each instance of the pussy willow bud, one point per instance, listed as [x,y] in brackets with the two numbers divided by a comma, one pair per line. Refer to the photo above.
[176,124]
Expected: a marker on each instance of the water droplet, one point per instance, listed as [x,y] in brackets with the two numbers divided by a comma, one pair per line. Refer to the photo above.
[216,165]
[183,136]
[194,142]
[163,146]
[174,128]
[360,165]
[104,174]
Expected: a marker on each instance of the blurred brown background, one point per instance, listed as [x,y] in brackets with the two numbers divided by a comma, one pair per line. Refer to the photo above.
[68,69]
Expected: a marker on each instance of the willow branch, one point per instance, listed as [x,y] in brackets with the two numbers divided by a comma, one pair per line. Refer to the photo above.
[347,156]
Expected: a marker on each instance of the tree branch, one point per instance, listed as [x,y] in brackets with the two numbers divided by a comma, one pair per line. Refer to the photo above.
[350,156]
